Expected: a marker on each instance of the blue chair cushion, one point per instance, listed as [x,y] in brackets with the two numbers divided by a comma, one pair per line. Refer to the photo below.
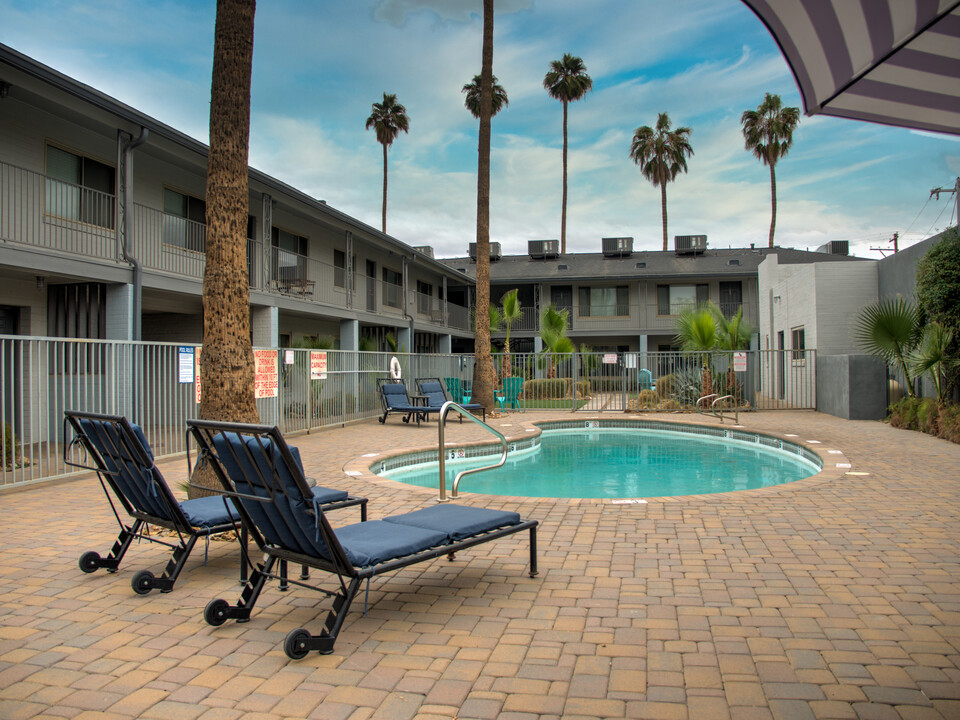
[208,512]
[456,521]
[376,541]
[325,495]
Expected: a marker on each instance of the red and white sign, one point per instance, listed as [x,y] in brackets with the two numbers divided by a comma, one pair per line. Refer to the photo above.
[266,377]
[318,365]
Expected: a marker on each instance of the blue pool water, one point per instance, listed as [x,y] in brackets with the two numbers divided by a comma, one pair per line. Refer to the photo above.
[616,463]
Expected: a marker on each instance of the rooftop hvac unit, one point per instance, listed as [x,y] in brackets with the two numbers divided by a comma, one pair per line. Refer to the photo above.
[425,249]
[495,253]
[689,244]
[617,247]
[835,247]
[541,249]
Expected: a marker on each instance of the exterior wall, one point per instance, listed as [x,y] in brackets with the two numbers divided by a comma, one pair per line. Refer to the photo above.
[841,290]
[897,274]
[851,386]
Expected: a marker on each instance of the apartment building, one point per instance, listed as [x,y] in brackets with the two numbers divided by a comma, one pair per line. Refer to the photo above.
[623,300]
[102,233]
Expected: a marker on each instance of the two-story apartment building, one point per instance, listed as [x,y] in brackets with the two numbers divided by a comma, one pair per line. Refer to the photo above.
[102,232]
[624,300]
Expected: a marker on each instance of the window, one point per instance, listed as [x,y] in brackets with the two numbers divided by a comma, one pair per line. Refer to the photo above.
[799,343]
[184,221]
[290,256]
[604,301]
[392,284]
[731,297]
[79,188]
[340,270]
[424,297]
[674,299]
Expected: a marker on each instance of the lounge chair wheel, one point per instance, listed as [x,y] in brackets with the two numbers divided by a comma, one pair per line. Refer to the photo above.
[143,582]
[90,561]
[215,613]
[295,646]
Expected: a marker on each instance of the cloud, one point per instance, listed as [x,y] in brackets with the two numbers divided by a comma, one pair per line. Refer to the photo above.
[396,12]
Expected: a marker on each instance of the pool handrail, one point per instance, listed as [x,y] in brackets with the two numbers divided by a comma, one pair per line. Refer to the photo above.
[444,409]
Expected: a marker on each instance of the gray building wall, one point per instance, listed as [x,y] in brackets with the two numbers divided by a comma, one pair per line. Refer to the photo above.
[897,274]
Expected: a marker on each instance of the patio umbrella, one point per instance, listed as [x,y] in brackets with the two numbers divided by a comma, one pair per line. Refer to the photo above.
[895,62]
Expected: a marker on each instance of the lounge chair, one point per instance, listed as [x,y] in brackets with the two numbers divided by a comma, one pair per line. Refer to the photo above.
[456,389]
[394,400]
[432,389]
[123,460]
[257,469]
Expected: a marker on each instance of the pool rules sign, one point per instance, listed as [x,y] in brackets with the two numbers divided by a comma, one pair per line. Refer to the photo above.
[739,362]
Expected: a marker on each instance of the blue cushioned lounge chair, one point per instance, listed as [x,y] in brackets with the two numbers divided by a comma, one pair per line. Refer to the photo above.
[394,399]
[123,460]
[257,469]
[432,389]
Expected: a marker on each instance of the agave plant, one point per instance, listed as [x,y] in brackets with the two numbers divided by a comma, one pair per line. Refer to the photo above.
[892,330]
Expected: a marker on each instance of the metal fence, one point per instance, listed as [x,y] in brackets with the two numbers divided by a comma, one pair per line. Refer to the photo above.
[154,384]
[659,381]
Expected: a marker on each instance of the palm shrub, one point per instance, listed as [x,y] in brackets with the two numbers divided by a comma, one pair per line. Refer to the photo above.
[697,332]
[553,331]
[510,312]
[891,330]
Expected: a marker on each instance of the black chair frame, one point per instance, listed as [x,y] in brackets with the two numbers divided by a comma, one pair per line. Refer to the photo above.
[408,410]
[349,577]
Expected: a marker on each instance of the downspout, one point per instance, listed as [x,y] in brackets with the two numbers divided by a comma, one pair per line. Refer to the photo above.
[406,294]
[128,148]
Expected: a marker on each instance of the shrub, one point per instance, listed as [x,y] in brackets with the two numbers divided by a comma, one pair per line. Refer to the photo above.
[950,423]
[665,385]
[647,399]
[927,416]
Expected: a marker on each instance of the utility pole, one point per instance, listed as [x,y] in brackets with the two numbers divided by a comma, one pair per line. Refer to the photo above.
[896,245]
[956,197]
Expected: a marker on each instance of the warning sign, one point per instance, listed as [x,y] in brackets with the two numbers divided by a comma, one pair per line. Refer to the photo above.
[318,365]
[266,380]
[196,358]
[739,362]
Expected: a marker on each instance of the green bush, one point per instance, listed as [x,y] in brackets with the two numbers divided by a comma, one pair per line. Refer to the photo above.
[927,416]
[665,385]
[647,399]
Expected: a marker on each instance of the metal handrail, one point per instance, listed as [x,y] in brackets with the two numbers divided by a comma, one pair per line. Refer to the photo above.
[713,406]
[444,409]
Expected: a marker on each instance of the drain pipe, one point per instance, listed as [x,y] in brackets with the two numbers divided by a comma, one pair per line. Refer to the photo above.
[406,294]
[128,148]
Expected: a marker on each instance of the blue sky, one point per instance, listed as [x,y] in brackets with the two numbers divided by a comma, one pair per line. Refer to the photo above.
[319,64]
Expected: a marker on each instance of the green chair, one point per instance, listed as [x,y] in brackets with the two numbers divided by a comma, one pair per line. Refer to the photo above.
[512,389]
[455,388]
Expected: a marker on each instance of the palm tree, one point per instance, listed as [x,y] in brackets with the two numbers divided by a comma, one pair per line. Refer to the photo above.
[483,363]
[472,99]
[661,154]
[697,332]
[227,360]
[934,356]
[892,330]
[387,119]
[510,312]
[553,332]
[566,81]
[768,132]
[733,334]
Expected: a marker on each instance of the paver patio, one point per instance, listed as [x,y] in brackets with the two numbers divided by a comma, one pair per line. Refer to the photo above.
[835,597]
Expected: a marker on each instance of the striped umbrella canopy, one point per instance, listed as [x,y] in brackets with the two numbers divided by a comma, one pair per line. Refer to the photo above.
[895,62]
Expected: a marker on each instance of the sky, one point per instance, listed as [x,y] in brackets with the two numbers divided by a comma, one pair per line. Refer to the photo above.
[318,66]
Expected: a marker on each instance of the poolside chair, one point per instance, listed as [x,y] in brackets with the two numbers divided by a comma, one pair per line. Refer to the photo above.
[512,389]
[257,469]
[455,389]
[432,389]
[394,399]
[123,460]
[645,380]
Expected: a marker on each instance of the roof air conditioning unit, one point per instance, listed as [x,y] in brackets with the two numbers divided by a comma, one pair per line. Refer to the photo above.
[835,247]
[425,249]
[541,249]
[495,253]
[617,247]
[689,244]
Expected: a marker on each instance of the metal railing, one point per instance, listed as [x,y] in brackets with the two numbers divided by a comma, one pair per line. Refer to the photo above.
[441,453]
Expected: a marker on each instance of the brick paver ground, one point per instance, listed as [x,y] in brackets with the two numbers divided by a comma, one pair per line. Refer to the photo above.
[835,597]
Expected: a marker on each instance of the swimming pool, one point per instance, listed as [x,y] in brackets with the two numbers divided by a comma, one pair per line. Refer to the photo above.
[604,460]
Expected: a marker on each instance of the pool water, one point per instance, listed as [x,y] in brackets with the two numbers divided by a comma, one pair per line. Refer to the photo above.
[618,463]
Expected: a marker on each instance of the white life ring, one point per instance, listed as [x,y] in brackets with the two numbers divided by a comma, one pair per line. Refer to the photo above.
[394,368]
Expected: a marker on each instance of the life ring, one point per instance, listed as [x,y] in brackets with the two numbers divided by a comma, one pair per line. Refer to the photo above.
[394,368]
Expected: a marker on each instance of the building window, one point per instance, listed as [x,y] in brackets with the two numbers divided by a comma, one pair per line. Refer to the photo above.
[79,188]
[184,221]
[340,269]
[731,297]
[392,285]
[674,299]
[290,257]
[424,297]
[604,301]
[799,344]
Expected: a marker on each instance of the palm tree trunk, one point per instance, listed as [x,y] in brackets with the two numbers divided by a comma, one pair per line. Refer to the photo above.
[483,365]
[227,358]
[384,228]
[773,203]
[563,205]
[663,210]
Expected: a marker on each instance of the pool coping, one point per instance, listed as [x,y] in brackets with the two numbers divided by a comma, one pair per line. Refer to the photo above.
[833,461]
